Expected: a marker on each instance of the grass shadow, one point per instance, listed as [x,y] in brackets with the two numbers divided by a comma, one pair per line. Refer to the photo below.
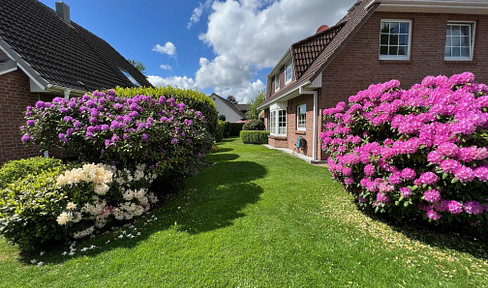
[211,200]
[220,157]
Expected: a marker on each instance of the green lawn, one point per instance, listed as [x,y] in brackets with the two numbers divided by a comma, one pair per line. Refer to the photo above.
[257,218]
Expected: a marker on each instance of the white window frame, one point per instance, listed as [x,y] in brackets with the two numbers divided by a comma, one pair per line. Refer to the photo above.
[288,74]
[472,33]
[302,121]
[277,82]
[277,128]
[409,43]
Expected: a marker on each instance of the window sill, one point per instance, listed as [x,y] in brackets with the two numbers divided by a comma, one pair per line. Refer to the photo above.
[393,61]
[278,137]
[301,132]
[458,61]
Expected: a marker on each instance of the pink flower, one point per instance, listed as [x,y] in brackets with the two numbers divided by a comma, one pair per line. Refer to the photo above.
[369,170]
[382,197]
[406,192]
[434,157]
[428,178]
[464,174]
[481,173]
[433,215]
[408,174]
[473,207]
[432,196]
[349,181]
[455,207]
[449,165]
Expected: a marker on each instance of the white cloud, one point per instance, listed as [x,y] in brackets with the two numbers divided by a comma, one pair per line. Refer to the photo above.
[168,48]
[181,82]
[243,94]
[198,11]
[165,67]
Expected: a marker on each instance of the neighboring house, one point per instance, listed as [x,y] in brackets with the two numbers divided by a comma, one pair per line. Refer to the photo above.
[375,42]
[43,54]
[242,107]
[229,110]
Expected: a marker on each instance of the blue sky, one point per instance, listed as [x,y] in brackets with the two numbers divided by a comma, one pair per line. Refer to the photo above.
[227,47]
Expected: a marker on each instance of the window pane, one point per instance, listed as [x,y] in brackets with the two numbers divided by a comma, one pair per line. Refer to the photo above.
[384,50]
[394,27]
[465,30]
[393,50]
[403,40]
[393,40]
[455,30]
[456,41]
[448,41]
[385,27]
[465,52]
[402,50]
[456,52]
[404,27]
[465,41]
[447,52]
[384,39]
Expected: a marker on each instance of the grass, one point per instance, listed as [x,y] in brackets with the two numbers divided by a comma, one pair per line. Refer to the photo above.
[257,218]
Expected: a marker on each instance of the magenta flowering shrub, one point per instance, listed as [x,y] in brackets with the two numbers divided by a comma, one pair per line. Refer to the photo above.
[103,128]
[418,152]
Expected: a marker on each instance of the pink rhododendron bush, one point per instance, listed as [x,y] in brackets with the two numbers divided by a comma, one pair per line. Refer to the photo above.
[415,154]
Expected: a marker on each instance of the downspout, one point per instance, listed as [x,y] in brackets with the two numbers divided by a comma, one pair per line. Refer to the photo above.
[315,94]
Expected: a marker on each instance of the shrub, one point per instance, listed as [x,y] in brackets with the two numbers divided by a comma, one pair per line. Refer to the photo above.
[222,117]
[254,137]
[60,203]
[124,132]
[421,152]
[226,129]
[16,169]
[193,99]
[255,124]
[235,129]
[219,134]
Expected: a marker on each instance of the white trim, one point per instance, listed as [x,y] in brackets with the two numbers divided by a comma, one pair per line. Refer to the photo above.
[409,44]
[8,70]
[457,7]
[277,108]
[315,124]
[472,37]
[298,119]
[277,80]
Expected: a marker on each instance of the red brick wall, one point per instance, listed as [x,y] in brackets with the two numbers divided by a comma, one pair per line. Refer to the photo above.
[16,96]
[358,65]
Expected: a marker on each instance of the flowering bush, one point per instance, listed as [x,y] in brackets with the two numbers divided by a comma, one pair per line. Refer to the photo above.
[418,152]
[124,132]
[61,203]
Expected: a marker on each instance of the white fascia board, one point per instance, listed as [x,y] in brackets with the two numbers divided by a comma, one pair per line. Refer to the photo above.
[465,7]
[284,59]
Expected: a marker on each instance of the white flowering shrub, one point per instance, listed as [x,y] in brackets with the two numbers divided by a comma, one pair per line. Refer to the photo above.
[62,203]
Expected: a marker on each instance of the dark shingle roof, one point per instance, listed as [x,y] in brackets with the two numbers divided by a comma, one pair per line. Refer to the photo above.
[339,35]
[242,107]
[62,54]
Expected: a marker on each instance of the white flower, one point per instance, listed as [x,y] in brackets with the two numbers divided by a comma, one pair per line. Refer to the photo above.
[84,233]
[71,206]
[101,189]
[63,218]
[42,253]
[34,261]
[40,263]
[64,253]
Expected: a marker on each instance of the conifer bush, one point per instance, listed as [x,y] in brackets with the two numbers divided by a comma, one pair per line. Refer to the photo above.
[420,153]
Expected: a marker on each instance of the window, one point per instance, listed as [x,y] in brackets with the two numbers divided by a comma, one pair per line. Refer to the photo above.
[277,82]
[288,73]
[459,41]
[131,79]
[277,122]
[301,117]
[395,39]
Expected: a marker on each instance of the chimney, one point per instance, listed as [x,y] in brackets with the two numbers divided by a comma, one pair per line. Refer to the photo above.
[62,9]
[322,28]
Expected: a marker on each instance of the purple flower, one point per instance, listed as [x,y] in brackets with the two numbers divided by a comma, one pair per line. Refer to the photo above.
[89,135]
[104,127]
[454,207]
[481,173]
[145,137]
[107,142]
[382,197]
[63,110]
[77,124]
[26,138]
[428,178]
[433,215]
[432,196]
[408,174]
[406,192]
[40,105]
[449,165]
[464,174]
[174,141]
[188,140]
[473,207]
[31,122]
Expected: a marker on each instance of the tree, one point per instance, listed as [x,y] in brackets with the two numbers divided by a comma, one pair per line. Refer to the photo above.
[138,65]
[232,100]
[253,112]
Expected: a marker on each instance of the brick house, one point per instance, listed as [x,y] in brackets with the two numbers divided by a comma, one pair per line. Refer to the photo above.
[43,54]
[378,40]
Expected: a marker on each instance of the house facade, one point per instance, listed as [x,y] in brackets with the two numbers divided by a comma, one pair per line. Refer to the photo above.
[231,112]
[375,42]
[43,54]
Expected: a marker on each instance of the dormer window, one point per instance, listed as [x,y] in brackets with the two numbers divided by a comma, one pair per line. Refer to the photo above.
[288,73]
[277,82]
[131,79]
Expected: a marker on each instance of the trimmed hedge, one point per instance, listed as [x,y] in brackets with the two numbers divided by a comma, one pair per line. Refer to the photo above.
[254,137]
[219,132]
[255,124]
[16,169]
[192,98]
[235,129]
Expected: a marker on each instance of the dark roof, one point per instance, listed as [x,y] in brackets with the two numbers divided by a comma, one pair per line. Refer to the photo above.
[242,107]
[232,106]
[59,53]
[323,47]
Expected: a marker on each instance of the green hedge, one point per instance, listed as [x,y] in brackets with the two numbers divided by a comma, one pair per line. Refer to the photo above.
[235,129]
[219,132]
[192,98]
[254,124]
[16,169]
[254,137]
